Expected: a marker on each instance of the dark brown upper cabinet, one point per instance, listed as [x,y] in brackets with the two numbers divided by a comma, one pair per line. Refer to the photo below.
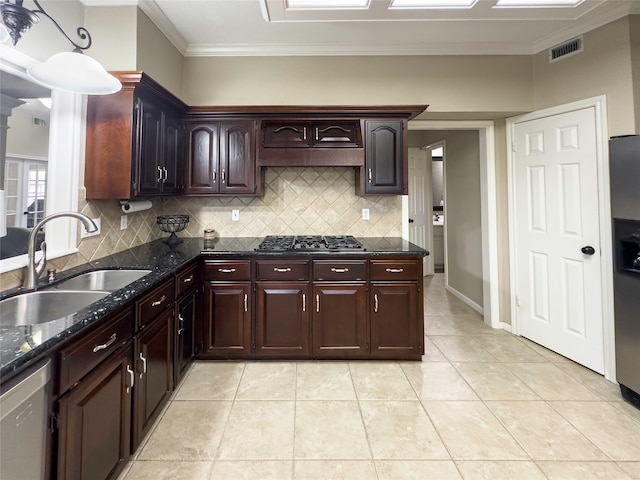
[221,158]
[386,158]
[329,134]
[134,141]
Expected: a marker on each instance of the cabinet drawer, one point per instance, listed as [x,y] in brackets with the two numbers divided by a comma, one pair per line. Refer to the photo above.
[154,303]
[339,270]
[221,270]
[394,270]
[186,279]
[79,358]
[282,269]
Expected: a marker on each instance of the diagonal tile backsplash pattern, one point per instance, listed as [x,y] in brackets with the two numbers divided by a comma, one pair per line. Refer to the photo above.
[297,201]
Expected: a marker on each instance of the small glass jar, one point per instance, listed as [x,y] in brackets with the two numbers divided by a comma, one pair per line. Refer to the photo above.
[209,238]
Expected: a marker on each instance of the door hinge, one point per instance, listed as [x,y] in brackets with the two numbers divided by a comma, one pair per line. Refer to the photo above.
[53,422]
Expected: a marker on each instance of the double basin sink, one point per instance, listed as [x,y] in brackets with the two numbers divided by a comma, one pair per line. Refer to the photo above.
[65,298]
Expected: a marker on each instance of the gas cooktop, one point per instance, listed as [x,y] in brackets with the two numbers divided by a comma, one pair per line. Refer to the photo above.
[309,243]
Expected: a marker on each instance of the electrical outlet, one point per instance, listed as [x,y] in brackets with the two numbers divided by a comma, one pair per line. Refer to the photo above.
[123,222]
[235,215]
[365,214]
[85,234]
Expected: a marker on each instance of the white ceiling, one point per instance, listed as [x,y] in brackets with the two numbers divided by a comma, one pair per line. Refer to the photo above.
[269,27]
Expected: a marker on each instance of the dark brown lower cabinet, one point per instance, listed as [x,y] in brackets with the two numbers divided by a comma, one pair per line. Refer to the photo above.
[339,320]
[394,320]
[94,420]
[226,326]
[282,319]
[184,341]
[154,374]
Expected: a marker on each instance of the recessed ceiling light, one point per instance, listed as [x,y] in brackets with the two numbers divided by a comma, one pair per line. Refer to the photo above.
[432,3]
[538,3]
[328,4]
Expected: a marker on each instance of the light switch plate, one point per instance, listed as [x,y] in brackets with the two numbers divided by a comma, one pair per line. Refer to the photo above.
[365,214]
[235,215]
[123,222]
[85,234]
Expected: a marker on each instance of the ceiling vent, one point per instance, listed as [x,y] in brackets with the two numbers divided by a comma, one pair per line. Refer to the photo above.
[566,49]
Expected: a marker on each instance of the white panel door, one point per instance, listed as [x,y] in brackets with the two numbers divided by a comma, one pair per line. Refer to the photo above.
[419,204]
[558,276]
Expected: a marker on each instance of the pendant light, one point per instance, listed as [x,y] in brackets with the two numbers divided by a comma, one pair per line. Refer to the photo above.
[68,71]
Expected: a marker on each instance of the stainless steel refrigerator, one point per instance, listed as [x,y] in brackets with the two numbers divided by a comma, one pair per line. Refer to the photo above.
[624,157]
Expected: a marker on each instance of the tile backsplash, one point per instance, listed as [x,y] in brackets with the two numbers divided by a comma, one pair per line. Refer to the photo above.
[297,201]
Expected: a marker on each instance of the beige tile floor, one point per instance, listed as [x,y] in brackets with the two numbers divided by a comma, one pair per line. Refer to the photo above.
[483,404]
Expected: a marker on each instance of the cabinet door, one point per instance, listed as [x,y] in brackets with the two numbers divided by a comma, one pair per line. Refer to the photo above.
[339,320]
[282,319]
[237,157]
[201,176]
[148,152]
[395,321]
[226,328]
[154,374]
[385,163]
[340,134]
[184,346]
[94,422]
[286,134]
[172,152]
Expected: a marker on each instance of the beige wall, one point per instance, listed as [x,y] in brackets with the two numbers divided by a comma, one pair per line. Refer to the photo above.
[157,56]
[498,83]
[23,138]
[635,65]
[603,68]
[114,36]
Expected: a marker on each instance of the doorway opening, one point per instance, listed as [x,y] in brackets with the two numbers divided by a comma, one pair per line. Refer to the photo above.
[489,282]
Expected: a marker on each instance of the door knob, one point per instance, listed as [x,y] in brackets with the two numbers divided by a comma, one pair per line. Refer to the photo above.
[588,250]
[411,220]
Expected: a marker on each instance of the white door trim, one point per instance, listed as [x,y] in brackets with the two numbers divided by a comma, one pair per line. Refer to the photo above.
[488,208]
[606,258]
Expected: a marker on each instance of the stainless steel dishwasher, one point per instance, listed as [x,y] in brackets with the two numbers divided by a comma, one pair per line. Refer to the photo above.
[23,424]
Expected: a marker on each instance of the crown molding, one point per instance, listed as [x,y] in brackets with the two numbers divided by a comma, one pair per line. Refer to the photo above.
[157,16]
[612,11]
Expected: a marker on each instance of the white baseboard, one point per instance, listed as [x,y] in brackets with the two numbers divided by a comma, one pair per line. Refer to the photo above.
[464,299]
[505,326]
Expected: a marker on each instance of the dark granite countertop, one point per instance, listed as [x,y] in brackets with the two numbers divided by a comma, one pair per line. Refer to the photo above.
[22,345]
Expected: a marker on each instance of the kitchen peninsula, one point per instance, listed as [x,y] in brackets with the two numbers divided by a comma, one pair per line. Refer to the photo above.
[131,348]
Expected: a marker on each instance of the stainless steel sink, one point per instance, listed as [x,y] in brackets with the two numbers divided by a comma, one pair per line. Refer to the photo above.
[43,306]
[105,280]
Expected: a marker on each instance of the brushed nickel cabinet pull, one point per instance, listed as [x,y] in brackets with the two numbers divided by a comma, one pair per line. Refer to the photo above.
[144,365]
[340,270]
[105,345]
[181,320]
[159,174]
[159,302]
[318,303]
[395,270]
[304,133]
[226,270]
[281,270]
[132,378]
[370,176]
[304,302]
[246,302]
[166,175]
[223,175]
[188,279]
[317,134]
[375,303]
[214,176]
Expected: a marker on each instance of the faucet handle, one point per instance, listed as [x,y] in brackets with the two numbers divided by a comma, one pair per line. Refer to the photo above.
[39,268]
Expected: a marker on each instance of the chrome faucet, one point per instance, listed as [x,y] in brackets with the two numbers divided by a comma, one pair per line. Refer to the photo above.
[34,270]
